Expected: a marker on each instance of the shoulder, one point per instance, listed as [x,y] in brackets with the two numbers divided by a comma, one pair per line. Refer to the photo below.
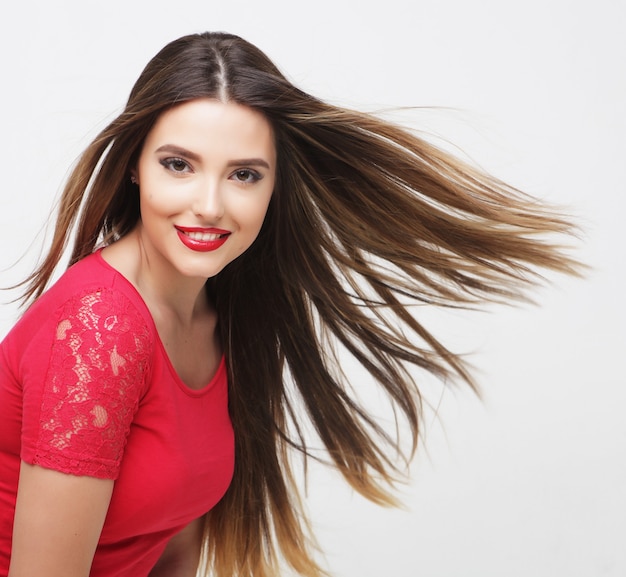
[82,356]
[91,291]
[91,303]
[95,306]
[107,315]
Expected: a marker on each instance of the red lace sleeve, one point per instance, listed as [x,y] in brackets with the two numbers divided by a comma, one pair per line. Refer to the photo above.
[95,378]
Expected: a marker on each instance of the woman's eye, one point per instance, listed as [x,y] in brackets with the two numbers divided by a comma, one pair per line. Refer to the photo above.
[176,165]
[246,176]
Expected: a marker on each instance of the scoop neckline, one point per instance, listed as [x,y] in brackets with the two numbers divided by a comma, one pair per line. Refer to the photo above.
[221,368]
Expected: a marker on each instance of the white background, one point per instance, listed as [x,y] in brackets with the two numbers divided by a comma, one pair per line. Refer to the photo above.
[531,481]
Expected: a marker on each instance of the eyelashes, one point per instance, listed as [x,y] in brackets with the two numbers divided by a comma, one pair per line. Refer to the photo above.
[180,166]
[175,164]
[246,176]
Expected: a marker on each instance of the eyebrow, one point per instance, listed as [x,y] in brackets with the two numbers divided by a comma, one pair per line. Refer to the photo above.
[179,151]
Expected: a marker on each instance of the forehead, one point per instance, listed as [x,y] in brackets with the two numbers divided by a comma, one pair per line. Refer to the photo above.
[208,125]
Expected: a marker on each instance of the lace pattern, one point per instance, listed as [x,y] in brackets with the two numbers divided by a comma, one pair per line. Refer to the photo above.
[95,379]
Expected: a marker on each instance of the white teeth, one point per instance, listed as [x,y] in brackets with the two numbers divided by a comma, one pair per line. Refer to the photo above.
[203,236]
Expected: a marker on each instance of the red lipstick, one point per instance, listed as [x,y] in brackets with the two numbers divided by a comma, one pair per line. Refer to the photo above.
[202,239]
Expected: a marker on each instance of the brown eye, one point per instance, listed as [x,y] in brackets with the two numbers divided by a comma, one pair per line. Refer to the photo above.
[176,165]
[247,176]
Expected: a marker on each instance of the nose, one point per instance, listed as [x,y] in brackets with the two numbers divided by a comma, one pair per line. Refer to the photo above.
[208,203]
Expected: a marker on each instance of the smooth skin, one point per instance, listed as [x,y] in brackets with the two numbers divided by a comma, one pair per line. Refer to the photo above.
[188,180]
[58,520]
[205,163]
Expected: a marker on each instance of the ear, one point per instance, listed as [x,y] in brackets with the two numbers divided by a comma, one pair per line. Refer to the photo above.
[133,176]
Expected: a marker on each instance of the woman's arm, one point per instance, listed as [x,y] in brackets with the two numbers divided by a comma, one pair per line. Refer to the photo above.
[182,554]
[58,521]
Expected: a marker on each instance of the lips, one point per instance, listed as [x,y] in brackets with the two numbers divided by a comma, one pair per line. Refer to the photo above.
[202,239]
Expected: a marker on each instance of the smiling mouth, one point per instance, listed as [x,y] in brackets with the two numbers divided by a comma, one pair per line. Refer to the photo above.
[203,236]
[202,239]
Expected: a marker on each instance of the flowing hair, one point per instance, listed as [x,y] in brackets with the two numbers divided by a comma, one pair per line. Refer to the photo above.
[366,219]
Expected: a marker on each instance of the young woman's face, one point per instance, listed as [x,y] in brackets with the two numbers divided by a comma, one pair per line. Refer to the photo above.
[206,174]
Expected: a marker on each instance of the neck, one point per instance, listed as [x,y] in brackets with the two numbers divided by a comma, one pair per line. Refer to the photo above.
[182,301]
[168,293]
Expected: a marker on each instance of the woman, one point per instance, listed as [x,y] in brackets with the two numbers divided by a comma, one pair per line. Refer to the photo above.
[229,229]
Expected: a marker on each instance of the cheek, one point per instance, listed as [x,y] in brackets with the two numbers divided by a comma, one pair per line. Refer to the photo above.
[249,222]
[257,215]
[250,211]
[156,201]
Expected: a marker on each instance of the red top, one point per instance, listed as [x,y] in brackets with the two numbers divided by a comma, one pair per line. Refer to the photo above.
[86,388]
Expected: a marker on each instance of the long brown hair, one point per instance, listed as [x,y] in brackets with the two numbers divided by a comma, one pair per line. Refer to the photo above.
[366,219]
